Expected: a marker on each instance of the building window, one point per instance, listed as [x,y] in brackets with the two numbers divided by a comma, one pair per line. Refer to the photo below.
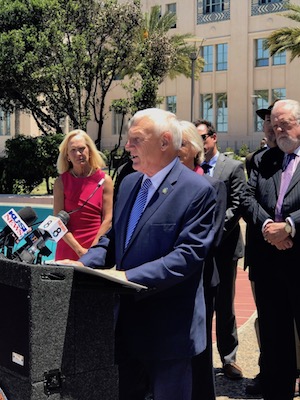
[171,104]
[207,110]
[221,62]
[222,112]
[118,123]
[261,100]
[4,123]
[279,93]
[262,54]
[207,55]
[279,59]
[212,6]
[171,8]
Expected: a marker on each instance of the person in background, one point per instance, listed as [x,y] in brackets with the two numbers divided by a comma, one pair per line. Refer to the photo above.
[191,154]
[254,387]
[124,170]
[271,203]
[84,191]
[249,157]
[231,247]
[267,142]
[161,234]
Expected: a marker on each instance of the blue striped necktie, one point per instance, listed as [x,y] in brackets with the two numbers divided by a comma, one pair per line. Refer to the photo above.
[137,209]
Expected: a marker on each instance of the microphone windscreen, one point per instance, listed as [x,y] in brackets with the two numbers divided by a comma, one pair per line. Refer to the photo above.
[28,215]
[63,216]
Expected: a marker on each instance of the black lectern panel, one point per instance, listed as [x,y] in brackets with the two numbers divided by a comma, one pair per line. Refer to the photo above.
[14,328]
[58,334]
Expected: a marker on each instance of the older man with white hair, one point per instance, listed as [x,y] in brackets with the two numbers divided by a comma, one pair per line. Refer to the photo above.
[271,207]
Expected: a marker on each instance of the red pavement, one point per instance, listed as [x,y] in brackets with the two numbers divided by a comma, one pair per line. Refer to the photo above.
[244,302]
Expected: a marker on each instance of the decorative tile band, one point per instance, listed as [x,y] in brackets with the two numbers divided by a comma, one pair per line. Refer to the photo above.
[259,9]
[213,17]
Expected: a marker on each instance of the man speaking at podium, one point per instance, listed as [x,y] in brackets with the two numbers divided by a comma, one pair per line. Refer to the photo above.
[162,230]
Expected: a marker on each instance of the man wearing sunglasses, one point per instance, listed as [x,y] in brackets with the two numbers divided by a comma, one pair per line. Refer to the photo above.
[231,172]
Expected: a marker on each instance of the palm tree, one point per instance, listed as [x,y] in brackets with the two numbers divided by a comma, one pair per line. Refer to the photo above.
[286,38]
[158,55]
[156,29]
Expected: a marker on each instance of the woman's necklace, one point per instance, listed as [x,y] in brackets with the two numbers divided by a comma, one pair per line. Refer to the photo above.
[82,176]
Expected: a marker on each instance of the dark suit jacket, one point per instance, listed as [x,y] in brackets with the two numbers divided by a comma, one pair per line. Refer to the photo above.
[252,167]
[250,162]
[259,202]
[211,275]
[231,172]
[166,252]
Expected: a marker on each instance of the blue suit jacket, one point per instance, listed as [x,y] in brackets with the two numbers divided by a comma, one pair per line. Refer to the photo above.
[166,252]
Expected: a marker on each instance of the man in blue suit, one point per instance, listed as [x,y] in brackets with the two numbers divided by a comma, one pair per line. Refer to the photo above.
[160,330]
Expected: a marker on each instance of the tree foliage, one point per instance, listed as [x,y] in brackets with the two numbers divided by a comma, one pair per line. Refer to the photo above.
[60,57]
[287,38]
[28,162]
[159,54]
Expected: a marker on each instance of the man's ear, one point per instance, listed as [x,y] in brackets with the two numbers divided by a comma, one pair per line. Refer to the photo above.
[165,140]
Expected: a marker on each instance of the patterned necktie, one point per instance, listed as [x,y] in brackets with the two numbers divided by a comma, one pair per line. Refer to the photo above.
[286,176]
[206,167]
[137,209]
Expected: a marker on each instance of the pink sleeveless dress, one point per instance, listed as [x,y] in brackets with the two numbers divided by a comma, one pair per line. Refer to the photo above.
[84,223]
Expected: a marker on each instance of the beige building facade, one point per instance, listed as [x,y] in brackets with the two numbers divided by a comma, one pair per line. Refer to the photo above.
[239,76]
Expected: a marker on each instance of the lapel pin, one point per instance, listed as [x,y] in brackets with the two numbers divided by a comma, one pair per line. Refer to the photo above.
[165,190]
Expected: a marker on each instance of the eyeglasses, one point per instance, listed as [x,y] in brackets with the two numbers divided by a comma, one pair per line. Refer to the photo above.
[284,125]
[205,136]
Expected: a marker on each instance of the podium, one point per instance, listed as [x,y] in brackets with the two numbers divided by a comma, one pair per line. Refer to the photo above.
[56,333]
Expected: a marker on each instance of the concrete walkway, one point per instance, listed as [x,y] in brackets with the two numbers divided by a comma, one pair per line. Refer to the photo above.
[248,351]
[25,200]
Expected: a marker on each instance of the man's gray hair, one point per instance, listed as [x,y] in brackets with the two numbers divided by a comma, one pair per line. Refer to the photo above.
[163,121]
[291,105]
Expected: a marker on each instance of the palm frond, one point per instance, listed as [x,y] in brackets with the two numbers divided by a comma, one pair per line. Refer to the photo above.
[284,39]
[288,38]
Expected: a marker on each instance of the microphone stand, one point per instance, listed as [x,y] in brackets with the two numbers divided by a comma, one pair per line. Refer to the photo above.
[9,244]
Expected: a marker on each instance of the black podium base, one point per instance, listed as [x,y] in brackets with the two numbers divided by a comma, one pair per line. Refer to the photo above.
[56,334]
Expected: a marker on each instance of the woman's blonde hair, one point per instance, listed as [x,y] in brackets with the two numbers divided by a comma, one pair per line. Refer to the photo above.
[95,160]
[191,134]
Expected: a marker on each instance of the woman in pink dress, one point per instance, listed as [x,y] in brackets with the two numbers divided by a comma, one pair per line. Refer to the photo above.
[83,190]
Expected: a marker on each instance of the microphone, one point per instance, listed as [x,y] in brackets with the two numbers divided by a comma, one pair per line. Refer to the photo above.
[53,228]
[17,223]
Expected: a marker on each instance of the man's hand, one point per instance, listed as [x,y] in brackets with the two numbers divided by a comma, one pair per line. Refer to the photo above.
[285,244]
[274,233]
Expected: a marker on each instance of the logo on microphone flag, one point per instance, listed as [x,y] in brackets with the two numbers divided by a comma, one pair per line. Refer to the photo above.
[54,227]
[15,223]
